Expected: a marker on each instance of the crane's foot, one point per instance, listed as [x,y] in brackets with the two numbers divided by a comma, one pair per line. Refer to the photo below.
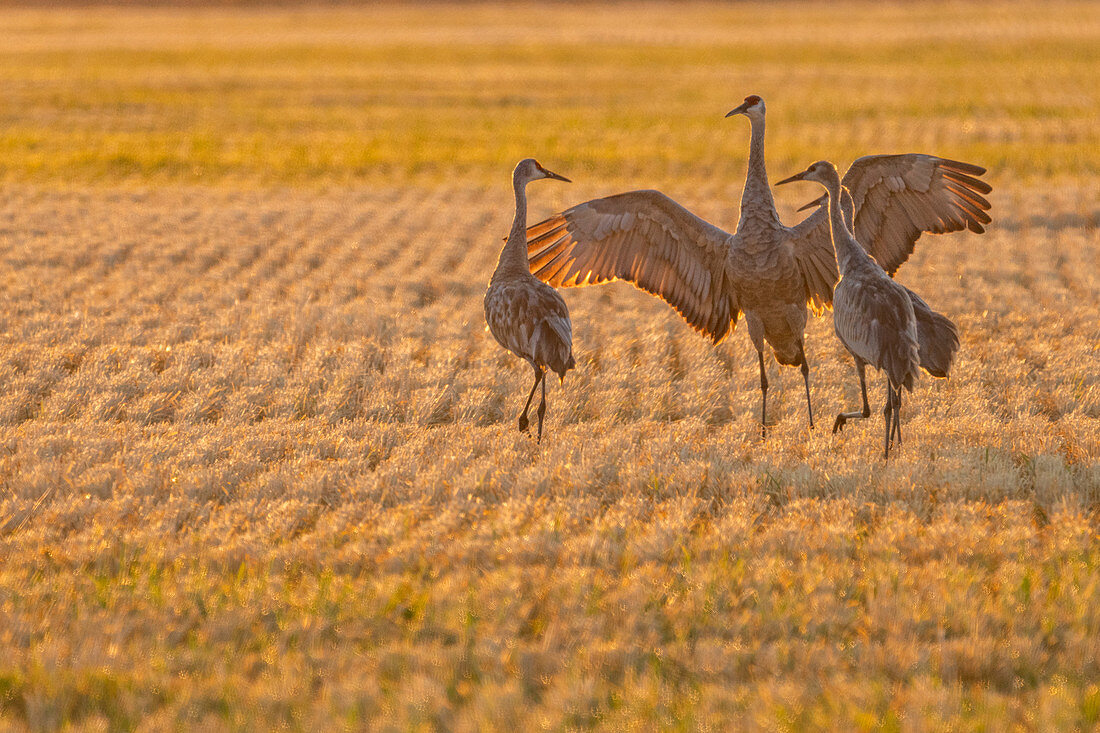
[763,430]
[523,423]
[843,418]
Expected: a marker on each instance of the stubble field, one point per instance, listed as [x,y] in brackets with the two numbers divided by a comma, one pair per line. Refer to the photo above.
[258,457]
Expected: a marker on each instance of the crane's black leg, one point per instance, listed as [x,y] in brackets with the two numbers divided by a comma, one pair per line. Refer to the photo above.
[763,397]
[539,373]
[887,413]
[844,417]
[806,378]
[542,409]
[897,416]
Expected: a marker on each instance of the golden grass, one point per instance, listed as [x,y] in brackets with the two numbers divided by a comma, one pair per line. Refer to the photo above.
[258,455]
[431,93]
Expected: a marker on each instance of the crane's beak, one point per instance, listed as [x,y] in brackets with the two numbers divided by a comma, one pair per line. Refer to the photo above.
[555,176]
[819,201]
[796,177]
[739,110]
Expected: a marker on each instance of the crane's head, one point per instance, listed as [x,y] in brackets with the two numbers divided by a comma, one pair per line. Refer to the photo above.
[530,169]
[822,171]
[752,107]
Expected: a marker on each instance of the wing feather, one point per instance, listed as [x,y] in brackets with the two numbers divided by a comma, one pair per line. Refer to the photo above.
[647,239]
[813,251]
[556,270]
[550,254]
[899,197]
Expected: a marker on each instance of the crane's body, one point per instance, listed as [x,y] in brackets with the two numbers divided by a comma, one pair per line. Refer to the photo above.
[763,271]
[525,315]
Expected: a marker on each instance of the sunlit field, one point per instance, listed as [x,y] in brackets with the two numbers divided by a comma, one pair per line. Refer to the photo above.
[259,464]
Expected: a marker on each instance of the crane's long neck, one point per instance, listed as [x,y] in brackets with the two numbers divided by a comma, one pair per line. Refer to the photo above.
[513,258]
[756,201]
[848,252]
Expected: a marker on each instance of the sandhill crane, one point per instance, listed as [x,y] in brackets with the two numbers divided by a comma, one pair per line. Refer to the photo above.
[937,334]
[872,315]
[767,270]
[525,315]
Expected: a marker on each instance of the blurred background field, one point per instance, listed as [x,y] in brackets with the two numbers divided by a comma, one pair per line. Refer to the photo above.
[455,92]
[258,458]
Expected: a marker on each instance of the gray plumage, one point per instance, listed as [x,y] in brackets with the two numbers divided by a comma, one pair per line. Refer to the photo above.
[525,315]
[873,316]
[937,334]
[766,270]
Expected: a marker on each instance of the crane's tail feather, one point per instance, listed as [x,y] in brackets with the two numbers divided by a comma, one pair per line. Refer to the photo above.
[554,351]
[571,364]
[938,338]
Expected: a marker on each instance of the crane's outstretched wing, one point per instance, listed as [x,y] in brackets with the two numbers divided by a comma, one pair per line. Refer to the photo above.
[812,247]
[899,197]
[896,198]
[647,239]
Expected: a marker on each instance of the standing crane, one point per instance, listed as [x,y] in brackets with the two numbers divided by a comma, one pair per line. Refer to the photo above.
[525,315]
[872,315]
[769,271]
[936,333]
